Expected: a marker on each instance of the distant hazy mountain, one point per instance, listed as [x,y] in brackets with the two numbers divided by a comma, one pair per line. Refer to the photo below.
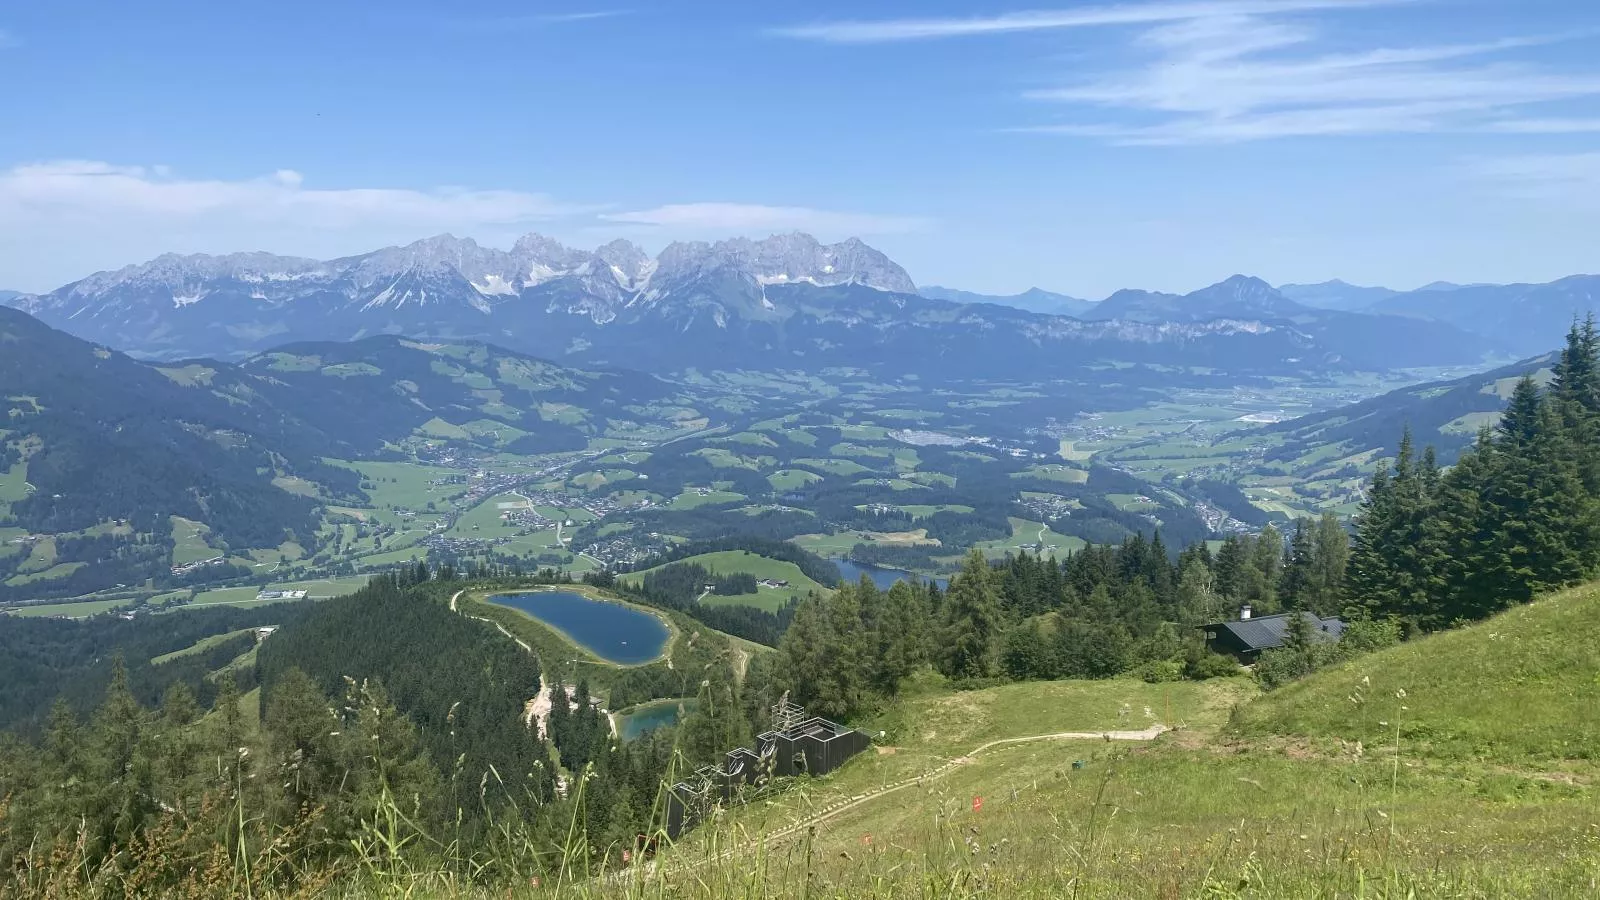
[784,302]
[1335,294]
[1445,415]
[1364,341]
[1035,300]
[8,296]
[1524,317]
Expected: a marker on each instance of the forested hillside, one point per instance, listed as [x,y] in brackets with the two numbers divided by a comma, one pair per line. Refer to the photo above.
[104,451]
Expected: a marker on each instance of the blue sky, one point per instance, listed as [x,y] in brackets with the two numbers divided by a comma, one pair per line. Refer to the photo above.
[1081,147]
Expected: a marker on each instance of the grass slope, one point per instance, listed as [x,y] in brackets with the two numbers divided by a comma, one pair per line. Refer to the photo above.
[1522,687]
[1462,765]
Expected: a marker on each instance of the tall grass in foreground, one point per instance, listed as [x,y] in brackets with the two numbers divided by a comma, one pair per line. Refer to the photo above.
[1163,822]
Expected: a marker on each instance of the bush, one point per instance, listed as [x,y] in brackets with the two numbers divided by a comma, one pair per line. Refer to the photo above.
[1201,666]
[1162,670]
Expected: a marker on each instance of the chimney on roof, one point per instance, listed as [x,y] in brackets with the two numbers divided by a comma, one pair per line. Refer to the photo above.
[1244,613]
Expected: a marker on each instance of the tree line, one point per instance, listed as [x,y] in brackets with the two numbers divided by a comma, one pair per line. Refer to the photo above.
[1517,515]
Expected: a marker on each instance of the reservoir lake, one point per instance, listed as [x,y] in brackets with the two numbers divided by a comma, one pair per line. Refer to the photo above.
[613,631]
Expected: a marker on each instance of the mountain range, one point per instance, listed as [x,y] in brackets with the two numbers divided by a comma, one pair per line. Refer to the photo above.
[786,302]
[1036,300]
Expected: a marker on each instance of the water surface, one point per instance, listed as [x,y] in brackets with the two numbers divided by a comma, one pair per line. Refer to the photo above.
[613,631]
[884,578]
[647,717]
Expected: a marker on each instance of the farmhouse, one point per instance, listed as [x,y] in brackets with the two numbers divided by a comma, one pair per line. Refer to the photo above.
[281,595]
[1250,635]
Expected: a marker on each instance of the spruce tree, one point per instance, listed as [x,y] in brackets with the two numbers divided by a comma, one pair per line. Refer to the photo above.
[1330,554]
[972,626]
[1295,583]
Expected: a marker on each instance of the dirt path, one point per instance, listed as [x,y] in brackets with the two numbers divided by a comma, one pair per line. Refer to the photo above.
[453,598]
[849,803]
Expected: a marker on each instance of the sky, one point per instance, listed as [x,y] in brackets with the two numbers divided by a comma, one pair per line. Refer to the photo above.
[1081,147]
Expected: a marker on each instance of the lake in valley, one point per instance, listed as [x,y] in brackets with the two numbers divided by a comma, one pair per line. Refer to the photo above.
[884,578]
[613,631]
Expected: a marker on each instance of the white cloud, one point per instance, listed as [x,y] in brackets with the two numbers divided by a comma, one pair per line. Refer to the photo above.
[75,189]
[741,217]
[1122,14]
[1240,78]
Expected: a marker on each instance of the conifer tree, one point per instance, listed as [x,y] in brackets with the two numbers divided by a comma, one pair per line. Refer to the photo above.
[1295,583]
[972,625]
[1330,554]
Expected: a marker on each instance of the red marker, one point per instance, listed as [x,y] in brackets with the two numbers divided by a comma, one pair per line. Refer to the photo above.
[977,804]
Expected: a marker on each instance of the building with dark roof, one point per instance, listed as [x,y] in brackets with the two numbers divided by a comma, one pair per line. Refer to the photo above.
[1246,638]
[798,744]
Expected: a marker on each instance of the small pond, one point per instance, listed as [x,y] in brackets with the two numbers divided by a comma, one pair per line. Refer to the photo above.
[852,571]
[613,631]
[647,717]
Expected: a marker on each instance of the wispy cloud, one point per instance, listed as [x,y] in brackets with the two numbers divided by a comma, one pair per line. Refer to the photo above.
[887,30]
[1222,71]
[89,190]
[1237,78]
[746,217]
[1563,177]
[529,21]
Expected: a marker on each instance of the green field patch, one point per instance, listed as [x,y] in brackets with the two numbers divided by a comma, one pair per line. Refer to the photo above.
[894,484]
[200,646]
[846,448]
[1054,472]
[14,483]
[41,556]
[294,484]
[404,485]
[351,370]
[1133,502]
[922,510]
[80,610]
[490,519]
[562,413]
[386,558]
[1034,537]
[1471,423]
[194,375]
[747,438]
[289,362]
[693,498]
[631,458]
[723,459]
[729,562]
[316,589]
[832,466]
[791,479]
[1072,453]
[439,428]
[930,478]
[191,541]
[59,570]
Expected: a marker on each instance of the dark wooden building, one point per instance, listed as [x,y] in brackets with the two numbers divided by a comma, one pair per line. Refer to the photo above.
[797,745]
[1246,638]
